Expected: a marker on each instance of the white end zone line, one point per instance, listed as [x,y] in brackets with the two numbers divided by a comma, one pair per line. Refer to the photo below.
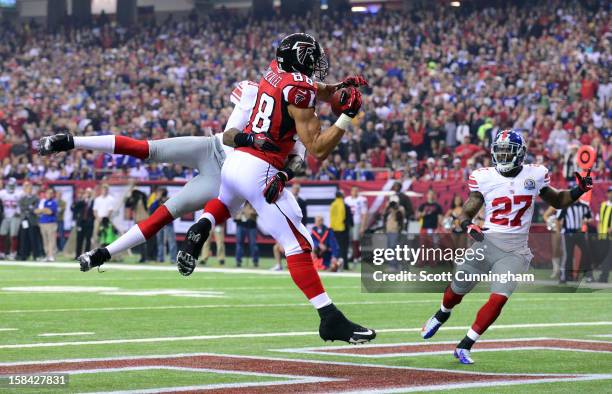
[273,334]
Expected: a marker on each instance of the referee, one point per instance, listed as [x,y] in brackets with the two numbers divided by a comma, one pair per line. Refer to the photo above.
[605,234]
[571,221]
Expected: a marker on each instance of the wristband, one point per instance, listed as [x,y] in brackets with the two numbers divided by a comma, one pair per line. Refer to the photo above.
[575,193]
[343,122]
[288,174]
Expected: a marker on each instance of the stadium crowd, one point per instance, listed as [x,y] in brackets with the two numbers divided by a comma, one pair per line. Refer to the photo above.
[442,82]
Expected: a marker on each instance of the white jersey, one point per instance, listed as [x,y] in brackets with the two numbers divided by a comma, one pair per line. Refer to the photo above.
[358,206]
[508,203]
[243,97]
[10,202]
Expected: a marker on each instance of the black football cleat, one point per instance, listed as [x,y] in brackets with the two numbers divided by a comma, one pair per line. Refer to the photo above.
[93,258]
[187,257]
[336,327]
[62,142]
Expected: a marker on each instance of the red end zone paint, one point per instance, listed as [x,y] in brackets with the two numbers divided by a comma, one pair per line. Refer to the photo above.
[348,376]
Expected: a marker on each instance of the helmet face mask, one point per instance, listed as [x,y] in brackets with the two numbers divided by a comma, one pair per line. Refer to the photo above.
[300,52]
[508,150]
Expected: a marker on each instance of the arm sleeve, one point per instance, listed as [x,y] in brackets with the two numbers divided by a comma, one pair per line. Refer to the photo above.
[545,181]
[473,182]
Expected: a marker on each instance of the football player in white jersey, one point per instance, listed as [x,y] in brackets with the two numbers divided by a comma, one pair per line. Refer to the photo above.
[11,220]
[206,154]
[508,192]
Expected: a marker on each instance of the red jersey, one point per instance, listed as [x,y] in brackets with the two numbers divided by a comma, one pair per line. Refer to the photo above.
[277,90]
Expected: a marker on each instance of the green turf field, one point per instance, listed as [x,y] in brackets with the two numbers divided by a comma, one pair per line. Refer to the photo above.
[148,329]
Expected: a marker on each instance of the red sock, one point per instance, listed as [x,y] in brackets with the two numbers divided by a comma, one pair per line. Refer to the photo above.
[489,312]
[131,147]
[304,274]
[158,219]
[217,211]
[14,243]
[451,298]
[3,244]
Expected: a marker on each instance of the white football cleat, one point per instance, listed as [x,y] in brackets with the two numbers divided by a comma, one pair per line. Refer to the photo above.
[464,356]
[430,328]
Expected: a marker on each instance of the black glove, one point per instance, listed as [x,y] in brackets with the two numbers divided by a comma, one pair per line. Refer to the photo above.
[259,141]
[275,185]
[585,183]
[473,231]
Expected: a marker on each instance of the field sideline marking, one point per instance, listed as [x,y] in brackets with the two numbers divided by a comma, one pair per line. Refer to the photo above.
[140,267]
[274,334]
[9,329]
[62,334]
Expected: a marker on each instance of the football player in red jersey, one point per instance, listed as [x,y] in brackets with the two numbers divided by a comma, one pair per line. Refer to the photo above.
[284,110]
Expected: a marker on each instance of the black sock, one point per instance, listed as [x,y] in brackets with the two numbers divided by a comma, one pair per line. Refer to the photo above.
[327,310]
[442,316]
[466,343]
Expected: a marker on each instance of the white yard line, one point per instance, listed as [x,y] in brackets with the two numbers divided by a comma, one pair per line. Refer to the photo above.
[143,267]
[65,334]
[275,334]
[8,329]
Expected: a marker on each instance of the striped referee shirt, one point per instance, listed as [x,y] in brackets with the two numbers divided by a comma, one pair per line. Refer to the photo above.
[573,216]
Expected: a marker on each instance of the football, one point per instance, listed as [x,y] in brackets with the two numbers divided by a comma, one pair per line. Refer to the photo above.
[338,99]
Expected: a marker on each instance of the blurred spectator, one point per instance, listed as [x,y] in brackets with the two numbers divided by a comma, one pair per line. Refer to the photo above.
[403,200]
[325,249]
[107,232]
[61,209]
[394,222]
[341,221]
[166,236]
[219,237]
[430,213]
[83,214]
[136,209]
[47,217]
[451,218]
[29,235]
[246,230]
[11,220]
[104,207]
[359,210]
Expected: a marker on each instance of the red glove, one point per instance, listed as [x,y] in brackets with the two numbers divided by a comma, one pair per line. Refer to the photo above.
[473,231]
[353,81]
[350,104]
[584,184]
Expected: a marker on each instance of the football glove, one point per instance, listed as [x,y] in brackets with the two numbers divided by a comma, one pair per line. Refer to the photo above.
[350,103]
[259,141]
[472,230]
[585,183]
[274,186]
[352,81]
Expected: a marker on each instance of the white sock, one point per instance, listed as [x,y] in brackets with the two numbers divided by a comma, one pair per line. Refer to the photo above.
[104,143]
[443,309]
[320,301]
[211,218]
[473,335]
[131,238]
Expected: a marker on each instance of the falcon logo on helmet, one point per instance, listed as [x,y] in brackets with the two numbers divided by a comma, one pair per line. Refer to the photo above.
[508,150]
[300,52]
[303,50]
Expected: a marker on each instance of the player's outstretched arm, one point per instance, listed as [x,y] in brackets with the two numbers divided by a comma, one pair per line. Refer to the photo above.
[564,198]
[308,126]
[471,207]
